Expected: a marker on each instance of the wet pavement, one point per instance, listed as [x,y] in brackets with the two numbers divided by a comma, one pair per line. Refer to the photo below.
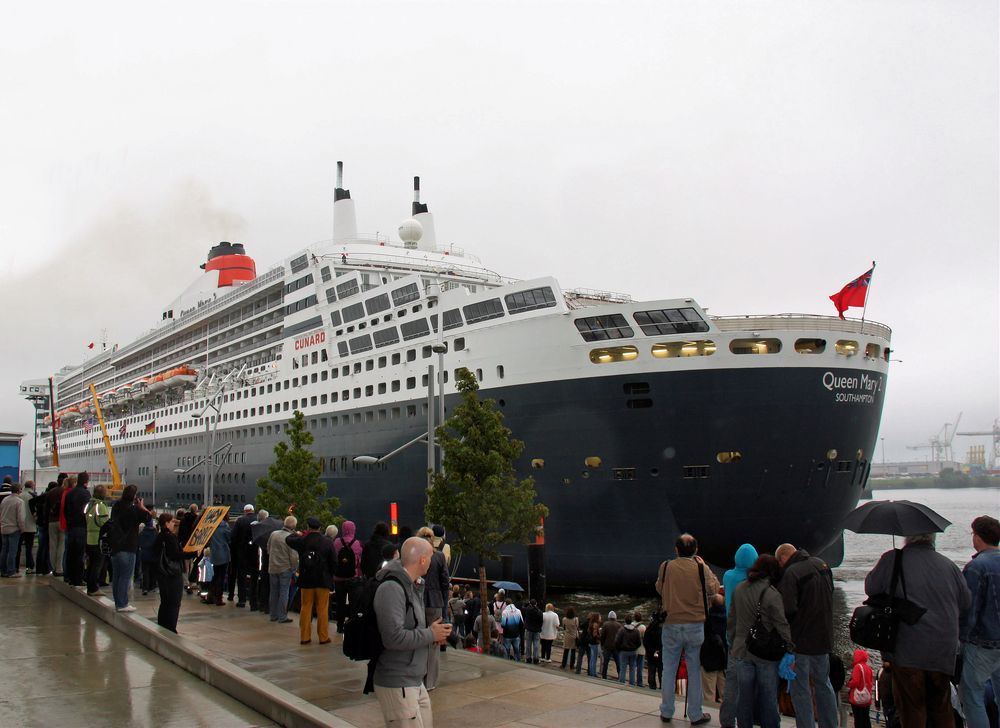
[63,667]
[78,671]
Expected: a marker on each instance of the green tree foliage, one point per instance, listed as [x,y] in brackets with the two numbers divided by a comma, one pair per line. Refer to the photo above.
[478,498]
[293,479]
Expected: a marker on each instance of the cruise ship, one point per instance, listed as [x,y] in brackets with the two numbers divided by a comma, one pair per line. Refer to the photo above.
[641,419]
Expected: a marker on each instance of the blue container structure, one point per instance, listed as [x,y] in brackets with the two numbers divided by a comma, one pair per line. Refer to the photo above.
[10,454]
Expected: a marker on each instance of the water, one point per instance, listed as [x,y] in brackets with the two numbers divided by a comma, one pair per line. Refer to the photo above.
[861,552]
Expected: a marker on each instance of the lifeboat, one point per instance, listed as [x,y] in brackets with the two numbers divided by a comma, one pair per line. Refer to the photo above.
[124,392]
[156,384]
[140,389]
[107,399]
[47,421]
[86,407]
[179,377]
[71,414]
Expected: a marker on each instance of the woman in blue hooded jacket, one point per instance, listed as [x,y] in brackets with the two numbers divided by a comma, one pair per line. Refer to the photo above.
[745,556]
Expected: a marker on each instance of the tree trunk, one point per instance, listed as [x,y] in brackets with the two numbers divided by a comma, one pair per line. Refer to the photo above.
[484,608]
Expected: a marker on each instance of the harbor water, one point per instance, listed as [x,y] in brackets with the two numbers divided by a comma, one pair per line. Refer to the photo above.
[861,552]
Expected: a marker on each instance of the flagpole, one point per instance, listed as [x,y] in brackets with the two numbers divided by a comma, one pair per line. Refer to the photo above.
[868,293]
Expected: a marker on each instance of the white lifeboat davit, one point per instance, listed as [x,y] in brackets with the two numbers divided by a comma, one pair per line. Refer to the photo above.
[140,389]
[124,392]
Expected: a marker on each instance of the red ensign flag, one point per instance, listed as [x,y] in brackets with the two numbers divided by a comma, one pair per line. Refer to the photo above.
[853,294]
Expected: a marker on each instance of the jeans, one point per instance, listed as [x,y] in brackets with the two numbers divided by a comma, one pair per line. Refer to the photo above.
[279,595]
[817,666]
[592,652]
[758,681]
[512,647]
[626,663]
[606,657]
[731,695]
[979,664]
[122,566]
[686,638]
[8,553]
[27,542]
[532,646]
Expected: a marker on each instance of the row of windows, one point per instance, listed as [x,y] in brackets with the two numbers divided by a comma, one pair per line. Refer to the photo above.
[706,347]
[300,305]
[657,322]
[298,283]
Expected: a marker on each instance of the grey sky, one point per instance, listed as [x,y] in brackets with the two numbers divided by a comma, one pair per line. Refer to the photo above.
[753,155]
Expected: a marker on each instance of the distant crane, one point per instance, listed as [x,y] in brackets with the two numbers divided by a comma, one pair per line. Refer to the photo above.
[940,444]
[995,434]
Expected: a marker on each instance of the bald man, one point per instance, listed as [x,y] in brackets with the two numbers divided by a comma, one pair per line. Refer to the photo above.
[399,608]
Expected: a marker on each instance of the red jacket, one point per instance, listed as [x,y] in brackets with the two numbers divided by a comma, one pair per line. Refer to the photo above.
[862,678]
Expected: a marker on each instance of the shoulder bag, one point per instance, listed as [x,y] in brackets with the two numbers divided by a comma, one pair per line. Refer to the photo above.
[875,623]
[713,649]
[767,644]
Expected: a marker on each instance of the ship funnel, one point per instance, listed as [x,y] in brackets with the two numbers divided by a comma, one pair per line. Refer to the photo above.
[427,241]
[345,226]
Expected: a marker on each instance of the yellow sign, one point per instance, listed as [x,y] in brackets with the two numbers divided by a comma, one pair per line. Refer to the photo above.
[211,517]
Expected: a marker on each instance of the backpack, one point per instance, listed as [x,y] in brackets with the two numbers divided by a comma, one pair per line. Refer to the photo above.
[347,565]
[110,537]
[309,562]
[362,639]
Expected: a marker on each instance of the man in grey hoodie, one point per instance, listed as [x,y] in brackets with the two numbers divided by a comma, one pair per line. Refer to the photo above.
[406,638]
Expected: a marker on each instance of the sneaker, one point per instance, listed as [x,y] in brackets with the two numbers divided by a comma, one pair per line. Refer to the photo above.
[94,594]
[127,608]
[286,620]
[702,720]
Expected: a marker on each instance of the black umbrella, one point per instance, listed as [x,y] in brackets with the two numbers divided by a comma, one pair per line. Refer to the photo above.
[896,518]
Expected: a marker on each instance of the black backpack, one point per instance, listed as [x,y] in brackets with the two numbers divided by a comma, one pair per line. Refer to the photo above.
[362,639]
[110,537]
[347,565]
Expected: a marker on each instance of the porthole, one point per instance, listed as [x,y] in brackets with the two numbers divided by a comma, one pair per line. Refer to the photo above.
[755,346]
[810,346]
[585,474]
[537,463]
[873,351]
[729,456]
[592,462]
[655,472]
[683,348]
[846,347]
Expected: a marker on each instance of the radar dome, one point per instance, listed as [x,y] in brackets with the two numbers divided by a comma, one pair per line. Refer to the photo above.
[410,231]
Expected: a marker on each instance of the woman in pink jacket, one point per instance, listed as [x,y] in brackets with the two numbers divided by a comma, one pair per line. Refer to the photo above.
[861,687]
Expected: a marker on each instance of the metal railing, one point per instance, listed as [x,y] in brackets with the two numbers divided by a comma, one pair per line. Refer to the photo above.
[789,321]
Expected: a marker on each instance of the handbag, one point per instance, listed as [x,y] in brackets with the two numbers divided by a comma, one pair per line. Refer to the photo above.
[168,567]
[875,624]
[713,648]
[767,644]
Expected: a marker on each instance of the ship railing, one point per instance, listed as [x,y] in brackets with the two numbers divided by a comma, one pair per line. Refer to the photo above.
[580,297]
[377,259]
[385,242]
[789,321]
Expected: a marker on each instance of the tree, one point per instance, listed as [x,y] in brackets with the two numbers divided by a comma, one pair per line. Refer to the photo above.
[293,484]
[478,497]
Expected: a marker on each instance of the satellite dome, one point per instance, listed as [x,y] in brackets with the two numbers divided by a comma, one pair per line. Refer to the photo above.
[410,230]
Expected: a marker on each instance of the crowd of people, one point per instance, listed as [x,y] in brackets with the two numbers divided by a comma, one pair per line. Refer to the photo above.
[942,672]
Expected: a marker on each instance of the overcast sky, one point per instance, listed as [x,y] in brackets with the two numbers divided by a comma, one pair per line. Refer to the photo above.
[754,156]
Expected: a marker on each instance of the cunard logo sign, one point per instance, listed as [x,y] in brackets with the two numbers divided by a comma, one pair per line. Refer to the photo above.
[311,340]
[853,389]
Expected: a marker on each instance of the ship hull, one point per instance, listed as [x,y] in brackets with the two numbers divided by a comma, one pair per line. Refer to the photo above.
[804,452]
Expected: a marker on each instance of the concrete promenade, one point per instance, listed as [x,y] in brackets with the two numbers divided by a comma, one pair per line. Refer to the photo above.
[268,678]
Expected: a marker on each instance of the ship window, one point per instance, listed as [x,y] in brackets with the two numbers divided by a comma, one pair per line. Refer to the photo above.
[295,404]
[360,344]
[395,385]
[701,347]
[396,358]
[611,354]
[354,312]
[459,344]
[636,387]
[342,348]
[381,362]
[695,471]
[324,273]
[395,412]
[357,367]
[335,319]
[453,318]
[346,370]
[642,403]
[369,365]
[755,346]
[411,410]
[411,382]
[417,308]
[670,321]
[312,401]
[810,346]
[479,375]
[347,288]
[482,311]
[381,388]
[530,300]
[873,351]
[377,304]
[423,381]
[729,456]
[499,371]
[295,382]
[414,329]
[334,396]
[322,399]
[300,263]
[386,337]
[846,347]
[369,390]
[602,328]
[323,375]
[313,359]
[402,296]
[623,473]
[345,395]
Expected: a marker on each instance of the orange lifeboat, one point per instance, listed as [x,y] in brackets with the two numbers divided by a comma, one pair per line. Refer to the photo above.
[179,377]
[71,413]
[156,384]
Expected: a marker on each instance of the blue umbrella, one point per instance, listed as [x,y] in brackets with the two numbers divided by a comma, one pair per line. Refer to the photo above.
[511,586]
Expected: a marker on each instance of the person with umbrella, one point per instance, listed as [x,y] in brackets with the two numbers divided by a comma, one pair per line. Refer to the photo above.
[923,660]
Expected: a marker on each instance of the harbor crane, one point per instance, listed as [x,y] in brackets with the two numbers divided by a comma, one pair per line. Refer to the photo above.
[995,434]
[940,444]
